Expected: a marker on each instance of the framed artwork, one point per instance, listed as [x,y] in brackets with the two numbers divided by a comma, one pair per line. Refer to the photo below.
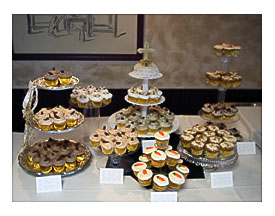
[77,37]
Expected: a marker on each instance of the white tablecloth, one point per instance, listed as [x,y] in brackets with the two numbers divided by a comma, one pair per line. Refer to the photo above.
[84,186]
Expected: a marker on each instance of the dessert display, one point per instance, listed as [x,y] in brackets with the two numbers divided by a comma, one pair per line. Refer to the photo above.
[219,112]
[91,96]
[140,96]
[57,119]
[117,141]
[56,79]
[224,79]
[54,156]
[157,118]
[225,49]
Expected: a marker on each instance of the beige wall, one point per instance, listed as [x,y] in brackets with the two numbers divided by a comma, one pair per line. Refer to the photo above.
[183,46]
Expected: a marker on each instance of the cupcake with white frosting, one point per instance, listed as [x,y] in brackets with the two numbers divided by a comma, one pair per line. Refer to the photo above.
[96,99]
[59,123]
[107,147]
[133,95]
[95,140]
[82,100]
[226,148]
[144,158]
[143,98]
[172,157]
[197,147]
[162,139]
[107,97]
[176,179]
[145,177]
[45,124]
[212,150]
[138,166]
[183,169]
[160,182]
[149,150]
[158,158]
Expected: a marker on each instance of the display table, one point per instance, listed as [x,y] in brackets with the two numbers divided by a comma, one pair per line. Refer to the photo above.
[84,186]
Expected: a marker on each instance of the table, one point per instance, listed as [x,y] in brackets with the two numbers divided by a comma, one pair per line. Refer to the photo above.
[85,186]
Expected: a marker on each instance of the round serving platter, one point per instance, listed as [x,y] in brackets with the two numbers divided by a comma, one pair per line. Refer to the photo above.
[53,131]
[145,75]
[234,120]
[112,124]
[206,162]
[23,163]
[162,99]
[40,83]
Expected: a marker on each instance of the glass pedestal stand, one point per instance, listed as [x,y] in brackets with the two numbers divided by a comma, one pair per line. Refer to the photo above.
[221,90]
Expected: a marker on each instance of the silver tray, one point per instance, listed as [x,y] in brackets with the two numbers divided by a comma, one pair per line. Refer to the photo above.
[34,125]
[162,99]
[112,124]
[23,163]
[40,83]
[203,161]
[234,120]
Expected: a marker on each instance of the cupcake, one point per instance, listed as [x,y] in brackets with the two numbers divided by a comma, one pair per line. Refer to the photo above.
[100,131]
[176,179]
[217,114]
[154,98]
[82,100]
[229,138]
[222,133]
[132,144]
[145,177]
[96,99]
[162,139]
[142,128]
[214,79]
[149,150]
[215,140]
[197,148]
[36,162]
[207,110]
[212,150]
[236,80]
[71,118]
[65,77]
[158,158]
[143,98]
[59,165]
[59,123]
[170,116]
[199,129]
[70,162]
[80,154]
[172,157]
[132,95]
[153,127]
[226,81]
[45,165]
[33,152]
[209,134]
[213,128]
[201,138]
[228,114]
[120,147]
[226,148]
[144,158]
[166,125]
[121,122]
[184,170]
[95,140]
[191,131]
[51,79]
[106,147]
[138,166]
[133,117]
[160,182]
[45,124]
[152,116]
[107,98]
[42,114]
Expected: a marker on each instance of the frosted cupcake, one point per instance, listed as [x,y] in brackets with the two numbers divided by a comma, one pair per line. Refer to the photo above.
[51,79]
[65,77]
[212,150]
[199,128]
[132,144]
[106,147]
[158,158]
[201,138]
[45,124]
[166,125]
[59,165]
[145,177]
[59,123]
[162,139]
[142,128]
[120,148]
[209,134]
[160,182]
[170,116]
[191,131]
[82,100]
[215,139]
[132,95]
[107,98]
[149,150]
[154,98]
[226,148]
[229,138]
[96,99]
[197,148]
[172,157]
[74,96]
[176,179]
[95,140]
[152,116]
[71,118]
[144,158]
[138,166]
[121,122]
[222,133]
[143,98]
[153,127]
[183,170]
[70,162]
[206,110]
[45,165]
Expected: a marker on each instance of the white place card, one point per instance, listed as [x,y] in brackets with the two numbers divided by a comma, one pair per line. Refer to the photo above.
[147,143]
[245,148]
[164,196]
[48,184]
[221,179]
[111,176]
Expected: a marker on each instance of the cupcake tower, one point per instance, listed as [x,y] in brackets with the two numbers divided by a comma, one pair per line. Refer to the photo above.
[144,95]
[224,79]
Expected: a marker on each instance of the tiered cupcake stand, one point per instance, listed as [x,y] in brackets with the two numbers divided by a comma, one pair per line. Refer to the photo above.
[29,104]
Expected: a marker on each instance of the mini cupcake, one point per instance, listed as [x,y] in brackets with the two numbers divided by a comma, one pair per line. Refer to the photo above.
[100,131]
[191,131]
[170,116]
[133,117]
[59,123]
[143,98]
[65,77]
[212,150]
[207,110]
[153,127]
[42,114]
[45,165]
[214,79]
[74,96]
[166,125]
[106,136]
[199,128]
[106,147]
[121,122]
[160,182]
[162,139]
[70,162]
[82,100]
[152,116]
[51,79]
[226,148]
[209,134]
[142,128]
[197,148]
[59,165]
[201,138]
[184,170]
[96,99]
[154,98]
[120,147]
[31,154]
[236,80]
[45,124]
[145,177]
[172,157]
[215,140]
[176,179]
[95,140]
[217,114]
[36,162]
[226,81]
[132,95]
[80,154]
[144,158]
[229,138]
[107,98]
[138,166]
[132,144]
[228,114]
[71,118]
[158,158]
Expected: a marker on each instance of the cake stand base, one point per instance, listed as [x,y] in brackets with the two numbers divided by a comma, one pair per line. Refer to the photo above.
[120,162]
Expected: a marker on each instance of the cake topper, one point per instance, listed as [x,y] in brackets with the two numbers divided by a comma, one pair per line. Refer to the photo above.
[145,51]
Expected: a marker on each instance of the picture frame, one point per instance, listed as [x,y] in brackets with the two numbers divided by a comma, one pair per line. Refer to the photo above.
[35,27]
